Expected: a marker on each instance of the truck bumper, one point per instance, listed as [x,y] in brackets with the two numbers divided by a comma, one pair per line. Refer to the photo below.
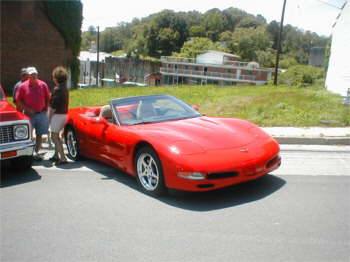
[16,150]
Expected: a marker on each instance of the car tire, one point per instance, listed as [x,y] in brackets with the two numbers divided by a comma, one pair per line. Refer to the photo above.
[149,172]
[72,144]
[22,163]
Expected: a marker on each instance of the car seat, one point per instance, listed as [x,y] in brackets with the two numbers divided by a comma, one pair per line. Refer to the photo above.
[145,110]
[106,112]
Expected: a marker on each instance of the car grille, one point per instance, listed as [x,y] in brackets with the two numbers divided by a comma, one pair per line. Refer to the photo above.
[6,134]
[222,175]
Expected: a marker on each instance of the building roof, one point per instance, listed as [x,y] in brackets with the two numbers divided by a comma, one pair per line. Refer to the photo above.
[221,53]
[92,56]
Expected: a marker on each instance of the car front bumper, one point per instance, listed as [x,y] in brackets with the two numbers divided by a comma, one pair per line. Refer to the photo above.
[244,175]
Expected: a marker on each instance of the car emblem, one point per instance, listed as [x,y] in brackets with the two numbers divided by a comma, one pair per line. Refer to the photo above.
[244,150]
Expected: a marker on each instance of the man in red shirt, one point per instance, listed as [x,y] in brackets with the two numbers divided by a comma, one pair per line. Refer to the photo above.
[33,97]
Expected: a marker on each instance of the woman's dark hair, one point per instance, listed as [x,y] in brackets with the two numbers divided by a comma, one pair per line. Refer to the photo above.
[60,74]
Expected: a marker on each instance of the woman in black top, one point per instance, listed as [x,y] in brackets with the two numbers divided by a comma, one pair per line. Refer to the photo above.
[58,112]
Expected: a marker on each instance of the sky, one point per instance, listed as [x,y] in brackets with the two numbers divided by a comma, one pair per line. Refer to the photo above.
[315,15]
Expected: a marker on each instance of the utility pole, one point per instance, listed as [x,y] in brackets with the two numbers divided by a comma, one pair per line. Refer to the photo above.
[98,55]
[279,43]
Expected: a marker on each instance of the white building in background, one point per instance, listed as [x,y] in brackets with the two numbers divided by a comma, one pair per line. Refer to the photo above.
[212,67]
[88,63]
[338,73]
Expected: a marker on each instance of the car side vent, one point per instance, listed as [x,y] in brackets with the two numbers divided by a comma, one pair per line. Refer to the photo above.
[222,175]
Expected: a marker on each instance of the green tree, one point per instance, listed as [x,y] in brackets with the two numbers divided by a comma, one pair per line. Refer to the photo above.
[160,34]
[86,39]
[250,21]
[168,39]
[198,45]
[215,23]
[288,62]
[92,30]
[273,28]
[197,31]
[107,40]
[67,17]
[246,41]
[266,58]
[233,17]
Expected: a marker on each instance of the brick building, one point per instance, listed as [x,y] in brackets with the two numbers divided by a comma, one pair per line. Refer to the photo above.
[28,38]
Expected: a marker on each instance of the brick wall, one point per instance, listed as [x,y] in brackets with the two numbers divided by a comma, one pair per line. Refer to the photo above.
[28,38]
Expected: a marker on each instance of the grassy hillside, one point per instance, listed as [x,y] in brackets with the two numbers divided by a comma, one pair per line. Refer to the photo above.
[264,105]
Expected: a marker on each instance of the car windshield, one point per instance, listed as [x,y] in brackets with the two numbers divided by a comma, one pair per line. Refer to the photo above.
[151,109]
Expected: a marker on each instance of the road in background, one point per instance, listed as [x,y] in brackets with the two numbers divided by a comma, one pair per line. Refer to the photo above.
[91,212]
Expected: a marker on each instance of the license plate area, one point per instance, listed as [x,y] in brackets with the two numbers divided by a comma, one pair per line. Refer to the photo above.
[9,154]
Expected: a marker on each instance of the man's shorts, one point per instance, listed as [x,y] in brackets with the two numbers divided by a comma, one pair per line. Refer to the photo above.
[40,123]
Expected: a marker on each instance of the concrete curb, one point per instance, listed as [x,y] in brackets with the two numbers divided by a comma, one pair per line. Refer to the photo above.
[313,140]
[307,135]
[310,135]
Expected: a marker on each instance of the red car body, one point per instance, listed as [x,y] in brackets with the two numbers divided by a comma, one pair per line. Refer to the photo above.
[221,151]
[16,143]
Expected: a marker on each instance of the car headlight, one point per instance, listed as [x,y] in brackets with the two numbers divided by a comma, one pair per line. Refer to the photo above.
[191,175]
[20,132]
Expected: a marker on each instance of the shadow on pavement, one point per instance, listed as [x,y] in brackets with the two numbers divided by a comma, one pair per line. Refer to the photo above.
[235,195]
[12,177]
[198,201]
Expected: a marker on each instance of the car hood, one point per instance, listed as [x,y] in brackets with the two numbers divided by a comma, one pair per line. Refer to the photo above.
[202,133]
[9,113]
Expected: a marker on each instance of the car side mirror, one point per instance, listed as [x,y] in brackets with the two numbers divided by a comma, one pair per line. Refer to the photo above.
[99,120]
[195,107]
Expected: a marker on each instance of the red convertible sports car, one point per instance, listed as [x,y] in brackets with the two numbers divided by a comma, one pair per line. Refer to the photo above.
[165,143]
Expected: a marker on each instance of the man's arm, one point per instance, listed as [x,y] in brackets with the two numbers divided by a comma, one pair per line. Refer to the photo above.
[14,92]
[21,106]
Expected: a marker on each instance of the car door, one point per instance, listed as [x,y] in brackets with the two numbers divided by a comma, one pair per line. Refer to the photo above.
[93,130]
[116,141]
[81,128]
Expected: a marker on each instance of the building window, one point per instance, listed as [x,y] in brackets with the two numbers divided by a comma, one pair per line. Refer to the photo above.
[247,72]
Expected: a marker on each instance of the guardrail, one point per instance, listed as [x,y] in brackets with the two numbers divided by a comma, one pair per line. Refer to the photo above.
[237,64]
[194,73]
[194,61]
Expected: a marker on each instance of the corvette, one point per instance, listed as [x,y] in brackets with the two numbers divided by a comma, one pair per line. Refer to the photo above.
[165,143]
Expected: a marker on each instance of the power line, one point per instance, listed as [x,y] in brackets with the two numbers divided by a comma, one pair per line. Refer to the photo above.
[329,4]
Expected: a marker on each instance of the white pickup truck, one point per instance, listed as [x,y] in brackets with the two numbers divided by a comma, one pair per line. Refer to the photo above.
[16,141]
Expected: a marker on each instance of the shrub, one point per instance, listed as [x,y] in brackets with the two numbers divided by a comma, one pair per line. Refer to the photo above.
[302,76]
[288,62]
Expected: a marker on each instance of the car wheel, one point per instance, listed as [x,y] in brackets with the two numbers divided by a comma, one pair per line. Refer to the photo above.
[72,144]
[22,163]
[149,172]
